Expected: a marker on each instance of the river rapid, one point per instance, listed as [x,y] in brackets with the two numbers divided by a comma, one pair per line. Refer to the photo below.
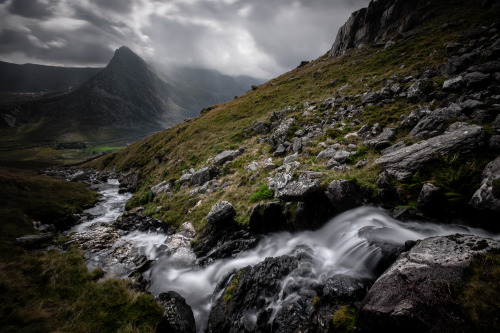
[346,245]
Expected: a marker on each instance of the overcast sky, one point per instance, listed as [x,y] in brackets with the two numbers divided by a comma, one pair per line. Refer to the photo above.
[261,38]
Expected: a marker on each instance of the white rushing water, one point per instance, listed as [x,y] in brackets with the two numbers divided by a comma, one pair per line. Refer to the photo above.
[344,245]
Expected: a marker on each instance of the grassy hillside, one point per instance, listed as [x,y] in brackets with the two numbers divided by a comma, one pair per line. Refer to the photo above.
[229,125]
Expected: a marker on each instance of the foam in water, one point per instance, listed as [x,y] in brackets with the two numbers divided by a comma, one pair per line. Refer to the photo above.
[340,247]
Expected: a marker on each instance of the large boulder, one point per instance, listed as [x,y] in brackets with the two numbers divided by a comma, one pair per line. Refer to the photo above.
[414,294]
[203,175]
[267,217]
[177,315]
[431,200]
[226,156]
[459,138]
[437,119]
[488,195]
[221,213]
[287,185]
[344,195]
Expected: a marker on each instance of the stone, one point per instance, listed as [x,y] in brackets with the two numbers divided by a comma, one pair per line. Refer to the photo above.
[177,315]
[252,166]
[185,178]
[416,92]
[297,144]
[129,181]
[437,119]
[494,143]
[291,158]
[344,195]
[488,67]
[162,187]
[32,242]
[487,197]
[226,156]
[221,213]
[431,200]
[326,154]
[203,175]
[382,140]
[477,80]
[413,294]
[267,217]
[453,84]
[459,138]
[341,156]
[281,150]
[260,127]
[289,187]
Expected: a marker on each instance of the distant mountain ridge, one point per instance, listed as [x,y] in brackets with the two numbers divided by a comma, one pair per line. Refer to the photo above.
[39,78]
[127,99]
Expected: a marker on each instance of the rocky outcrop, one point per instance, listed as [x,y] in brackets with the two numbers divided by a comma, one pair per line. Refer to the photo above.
[177,315]
[414,294]
[374,23]
[344,195]
[487,197]
[459,138]
[227,156]
[287,185]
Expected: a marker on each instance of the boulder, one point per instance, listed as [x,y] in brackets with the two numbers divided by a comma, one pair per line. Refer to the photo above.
[344,195]
[177,315]
[417,91]
[162,187]
[326,154]
[129,182]
[431,200]
[38,241]
[413,295]
[260,127]
[203,175]
[477,80]
[267,217]
[437,119]
[226,156]
[453,84]
[341,156]
[222,212]
[459,138]
[487,197]
[287,186]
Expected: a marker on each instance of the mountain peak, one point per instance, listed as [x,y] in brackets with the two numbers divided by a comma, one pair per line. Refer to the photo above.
[126,58]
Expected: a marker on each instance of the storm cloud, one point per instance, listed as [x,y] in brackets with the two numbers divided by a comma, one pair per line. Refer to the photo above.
[262,38]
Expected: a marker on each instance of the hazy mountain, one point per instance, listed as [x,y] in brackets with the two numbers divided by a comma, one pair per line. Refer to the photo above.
[39,78]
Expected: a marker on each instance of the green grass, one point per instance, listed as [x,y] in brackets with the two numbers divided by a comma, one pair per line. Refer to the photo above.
[264,193]
[343,319]
[53,291]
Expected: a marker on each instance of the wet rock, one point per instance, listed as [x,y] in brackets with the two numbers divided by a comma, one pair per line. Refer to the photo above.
[344,195]
[95,240]
[129,182]
[137,221]
[226,156]
[32,242]
[413,295]
[177,315]
[344,288]
[431,200]
[487,197]
[290,187]
[459,138]
[312,213]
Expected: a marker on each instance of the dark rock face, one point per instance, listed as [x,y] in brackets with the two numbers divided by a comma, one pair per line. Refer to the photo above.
[32,242]
[344,195]
[129,181]
[431,200]
[137,221]
[268,217]
[413,295]
[221,213]
[459,138]
[373,23]
[177,317]
[203,175]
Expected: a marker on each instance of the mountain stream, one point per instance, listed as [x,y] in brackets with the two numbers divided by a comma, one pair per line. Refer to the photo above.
[344,245]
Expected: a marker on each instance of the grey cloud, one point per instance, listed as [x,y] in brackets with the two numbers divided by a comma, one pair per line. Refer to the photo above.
[274,36]
[30,8]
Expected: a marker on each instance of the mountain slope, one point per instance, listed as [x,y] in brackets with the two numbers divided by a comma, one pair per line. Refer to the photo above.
[314,107]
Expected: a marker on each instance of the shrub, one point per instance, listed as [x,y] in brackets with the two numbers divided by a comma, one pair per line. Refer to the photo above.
[263,193]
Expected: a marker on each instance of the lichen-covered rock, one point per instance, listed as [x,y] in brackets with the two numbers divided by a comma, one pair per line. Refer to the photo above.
[162,187]
[459,138]
[203,175]
[488,195]
[227,155]
[286,186]
[177,315]
[413,295]
[220,213]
